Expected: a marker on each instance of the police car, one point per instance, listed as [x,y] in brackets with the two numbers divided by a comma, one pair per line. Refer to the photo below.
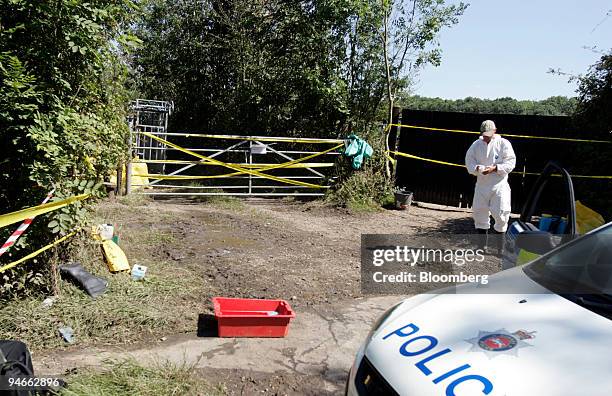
[550,334]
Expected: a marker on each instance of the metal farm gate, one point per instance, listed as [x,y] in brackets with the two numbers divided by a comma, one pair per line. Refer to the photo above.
[192,164]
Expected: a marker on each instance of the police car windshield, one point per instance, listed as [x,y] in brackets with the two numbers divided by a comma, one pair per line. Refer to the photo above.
[581,268]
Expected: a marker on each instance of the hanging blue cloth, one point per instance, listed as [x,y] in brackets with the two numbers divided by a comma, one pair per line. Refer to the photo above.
[357,150]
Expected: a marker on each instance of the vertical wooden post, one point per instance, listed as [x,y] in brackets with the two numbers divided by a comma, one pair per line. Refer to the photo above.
[118,187]
[128,176]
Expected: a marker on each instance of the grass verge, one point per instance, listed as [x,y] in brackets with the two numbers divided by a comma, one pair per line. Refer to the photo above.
[166,302]
[130,378]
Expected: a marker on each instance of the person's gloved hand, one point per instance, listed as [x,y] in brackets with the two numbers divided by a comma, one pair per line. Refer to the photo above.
[489,169]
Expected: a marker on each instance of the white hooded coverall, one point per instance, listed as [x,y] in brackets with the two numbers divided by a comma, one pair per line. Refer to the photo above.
[492,191]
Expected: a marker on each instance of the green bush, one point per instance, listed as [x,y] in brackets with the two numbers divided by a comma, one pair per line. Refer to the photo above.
[62,113]
[367,188]
[364,190]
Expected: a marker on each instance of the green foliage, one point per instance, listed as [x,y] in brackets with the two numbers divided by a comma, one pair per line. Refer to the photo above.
[362,191]
[408,32]
[317,68]
[62,108]
[595,96]
[365,189]
[555,105]
[304,67]
[409,38]
[245,66]
[593,116]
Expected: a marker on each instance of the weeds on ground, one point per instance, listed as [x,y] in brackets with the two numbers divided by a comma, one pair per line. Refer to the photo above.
[155,237]
[366,189]
[130,378]
[127,312]
[225,202]
[222,201]
[166,301]
[134,200]
[363,191]
[289,199]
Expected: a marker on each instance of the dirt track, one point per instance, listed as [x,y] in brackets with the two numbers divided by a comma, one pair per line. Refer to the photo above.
[304,253]
[270,248]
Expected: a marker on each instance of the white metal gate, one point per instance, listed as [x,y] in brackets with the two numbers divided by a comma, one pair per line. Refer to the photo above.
[206,164]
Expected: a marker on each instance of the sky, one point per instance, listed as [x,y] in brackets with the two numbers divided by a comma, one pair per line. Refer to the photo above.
[504,48]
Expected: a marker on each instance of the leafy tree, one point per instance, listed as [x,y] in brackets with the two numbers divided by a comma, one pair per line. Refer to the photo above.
[245,66]
[62,109]
[316,67]
[595,96]
[593,116]
[408,36]
[555,105]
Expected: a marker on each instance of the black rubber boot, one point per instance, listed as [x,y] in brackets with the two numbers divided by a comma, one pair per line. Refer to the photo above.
[499,241]
[482,239]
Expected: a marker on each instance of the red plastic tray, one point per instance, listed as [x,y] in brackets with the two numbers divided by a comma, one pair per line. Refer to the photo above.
[245,317]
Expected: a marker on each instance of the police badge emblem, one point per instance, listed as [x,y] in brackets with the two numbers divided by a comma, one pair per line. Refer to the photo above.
[495,343]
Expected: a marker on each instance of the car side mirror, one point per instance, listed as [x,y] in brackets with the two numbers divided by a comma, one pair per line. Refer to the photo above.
[538,242]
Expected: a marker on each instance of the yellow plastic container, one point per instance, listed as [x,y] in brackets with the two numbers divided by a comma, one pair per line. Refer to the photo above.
[115,257]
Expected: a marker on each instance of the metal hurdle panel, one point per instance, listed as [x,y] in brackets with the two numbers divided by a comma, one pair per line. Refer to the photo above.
[149,116]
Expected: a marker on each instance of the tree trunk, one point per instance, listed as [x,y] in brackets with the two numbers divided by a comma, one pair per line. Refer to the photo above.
[386,131]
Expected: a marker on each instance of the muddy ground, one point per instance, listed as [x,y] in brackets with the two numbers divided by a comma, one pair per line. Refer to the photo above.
[305,253]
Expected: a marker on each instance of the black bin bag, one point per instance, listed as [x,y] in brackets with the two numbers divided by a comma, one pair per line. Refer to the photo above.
[15,360]
[93,285]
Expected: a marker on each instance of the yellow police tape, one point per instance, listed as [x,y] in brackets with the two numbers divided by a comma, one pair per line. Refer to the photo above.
[254,138]
[265,168]
[36,253]
[185,177]
[250,166]
[463,166]
[240,169]
[502,134]
[20,215]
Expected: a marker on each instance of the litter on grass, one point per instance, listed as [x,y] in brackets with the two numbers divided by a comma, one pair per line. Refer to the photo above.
[138,272]
[93,285]
[103,231]
[48,302]
[67,334]
[115,257]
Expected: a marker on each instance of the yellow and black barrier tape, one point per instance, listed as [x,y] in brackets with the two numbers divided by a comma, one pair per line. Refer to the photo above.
[501,134]
[185,177]
[239,169]
[416,157]
[260,166]
[36,253]
[20,215]
[254,138]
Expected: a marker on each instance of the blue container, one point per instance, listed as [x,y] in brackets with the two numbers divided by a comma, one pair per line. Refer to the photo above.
[545,222]
[561,226]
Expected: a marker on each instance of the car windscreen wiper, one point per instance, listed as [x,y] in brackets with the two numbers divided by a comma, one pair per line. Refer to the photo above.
[597,301]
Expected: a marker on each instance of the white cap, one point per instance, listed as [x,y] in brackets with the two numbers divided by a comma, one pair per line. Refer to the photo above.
[488,128]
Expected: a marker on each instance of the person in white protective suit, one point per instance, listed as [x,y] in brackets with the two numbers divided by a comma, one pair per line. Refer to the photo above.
[490,158]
